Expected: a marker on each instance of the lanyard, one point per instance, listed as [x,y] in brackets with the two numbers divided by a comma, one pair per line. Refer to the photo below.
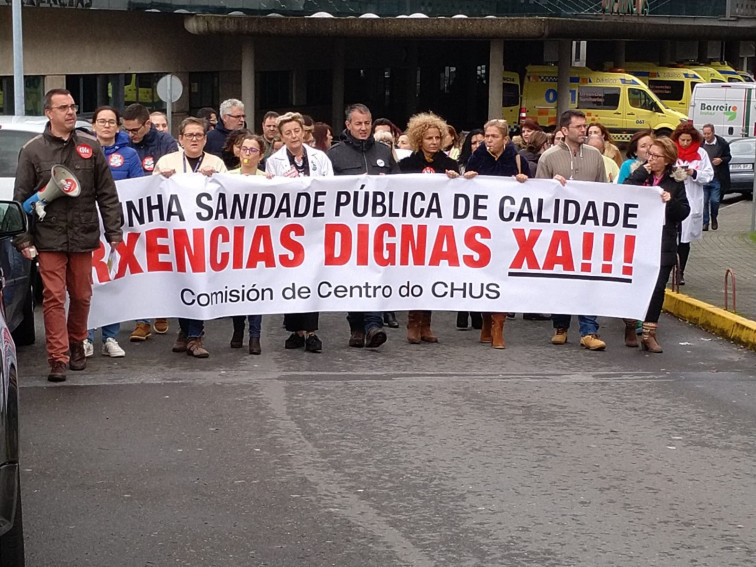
[196,167]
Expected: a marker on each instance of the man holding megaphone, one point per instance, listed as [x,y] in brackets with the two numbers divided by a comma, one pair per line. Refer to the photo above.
[64,173]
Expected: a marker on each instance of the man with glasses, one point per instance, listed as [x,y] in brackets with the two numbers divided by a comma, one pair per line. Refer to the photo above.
[192,159]
[573,159]
[150,144]
[232,118]
[65,239]
[148,141]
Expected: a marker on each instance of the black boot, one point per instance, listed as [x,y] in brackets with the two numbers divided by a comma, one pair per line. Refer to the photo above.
[237,339]
[462,320]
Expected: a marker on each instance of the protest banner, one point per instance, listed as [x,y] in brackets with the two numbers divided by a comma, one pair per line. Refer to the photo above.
[204,248]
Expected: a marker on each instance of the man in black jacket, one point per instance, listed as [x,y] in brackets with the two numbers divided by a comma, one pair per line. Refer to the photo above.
[719,154]
[358,153]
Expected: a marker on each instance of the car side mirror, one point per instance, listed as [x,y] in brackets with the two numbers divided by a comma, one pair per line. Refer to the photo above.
[12,219]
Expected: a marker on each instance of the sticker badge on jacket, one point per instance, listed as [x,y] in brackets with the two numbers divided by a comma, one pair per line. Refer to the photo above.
[115,160]
[148,163]
[84,151]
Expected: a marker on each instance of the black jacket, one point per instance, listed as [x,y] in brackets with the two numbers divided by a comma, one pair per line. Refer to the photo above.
[355,157]
[154,145]
[721,171]
[676,211]
[416,163]
[506,166]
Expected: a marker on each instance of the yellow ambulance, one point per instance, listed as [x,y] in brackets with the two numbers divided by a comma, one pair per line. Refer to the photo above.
[510,97]
[709,74]
[673,85]
[621,102]
[727,72]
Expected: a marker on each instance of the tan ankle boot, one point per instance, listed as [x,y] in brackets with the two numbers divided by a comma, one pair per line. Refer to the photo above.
[497,329]
[631,337]
[426,334]
[485,330]
[648,339]
[414,320]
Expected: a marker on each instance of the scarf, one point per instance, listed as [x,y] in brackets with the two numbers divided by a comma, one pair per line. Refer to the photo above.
[690,153]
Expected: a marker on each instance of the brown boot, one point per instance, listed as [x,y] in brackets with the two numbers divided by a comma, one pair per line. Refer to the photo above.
[425,331]
[78,359]
[497,329]
[414,321]
[631,337]
[485,329]
[648,339]
[194,348]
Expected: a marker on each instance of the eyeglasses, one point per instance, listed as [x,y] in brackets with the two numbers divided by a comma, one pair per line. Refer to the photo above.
[135,131]
[246,150]
[655,156]
[193,136]
[67,107]
[237,116]
[103,122]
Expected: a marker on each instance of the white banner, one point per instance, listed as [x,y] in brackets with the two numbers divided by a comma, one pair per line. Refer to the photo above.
[202,248]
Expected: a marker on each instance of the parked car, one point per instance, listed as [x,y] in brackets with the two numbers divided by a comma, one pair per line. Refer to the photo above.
[12,222]
[741,166]
[21,280]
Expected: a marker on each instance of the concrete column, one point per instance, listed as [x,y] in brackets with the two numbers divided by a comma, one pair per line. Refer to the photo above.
[410,101]
[495,73]
[248,81]
[337,87]
[619,53]
[116,88]
[563,77]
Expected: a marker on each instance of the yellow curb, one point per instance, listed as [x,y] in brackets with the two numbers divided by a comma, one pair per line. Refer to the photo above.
[718,321]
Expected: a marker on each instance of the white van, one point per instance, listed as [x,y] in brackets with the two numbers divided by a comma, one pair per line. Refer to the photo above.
[730,107]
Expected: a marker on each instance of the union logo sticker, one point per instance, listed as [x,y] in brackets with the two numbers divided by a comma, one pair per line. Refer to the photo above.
[84,151]
[148,163]
[115,160]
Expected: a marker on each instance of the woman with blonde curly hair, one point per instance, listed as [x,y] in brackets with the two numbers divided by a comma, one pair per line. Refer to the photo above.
[426,133]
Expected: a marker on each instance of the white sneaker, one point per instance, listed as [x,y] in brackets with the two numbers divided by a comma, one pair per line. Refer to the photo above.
[110,348]
[88,348]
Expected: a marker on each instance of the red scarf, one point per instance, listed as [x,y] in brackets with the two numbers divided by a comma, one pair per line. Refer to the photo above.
[690,153]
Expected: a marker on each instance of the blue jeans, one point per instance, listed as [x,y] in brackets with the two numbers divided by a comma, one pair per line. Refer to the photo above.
[712,196]
[108,332]
[192,328]
[366,321]
[588,324]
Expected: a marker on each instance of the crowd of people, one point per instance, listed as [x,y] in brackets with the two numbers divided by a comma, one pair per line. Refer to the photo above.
[689,167]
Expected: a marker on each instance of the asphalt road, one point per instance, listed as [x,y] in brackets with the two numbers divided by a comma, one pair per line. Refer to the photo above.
[451,454]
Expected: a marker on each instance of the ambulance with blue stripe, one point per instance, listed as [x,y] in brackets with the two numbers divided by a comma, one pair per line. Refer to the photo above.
[673,85]
[621,102]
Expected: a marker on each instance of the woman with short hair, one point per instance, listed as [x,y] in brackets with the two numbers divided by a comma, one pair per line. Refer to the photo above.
[496,156]
[659,171]
[296,159]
